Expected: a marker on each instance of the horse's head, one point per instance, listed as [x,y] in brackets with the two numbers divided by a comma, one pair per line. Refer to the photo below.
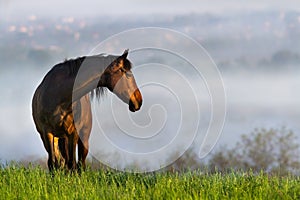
[119,79]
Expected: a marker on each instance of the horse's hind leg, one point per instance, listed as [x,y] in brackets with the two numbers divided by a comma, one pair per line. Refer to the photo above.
[59,160]
[63,148]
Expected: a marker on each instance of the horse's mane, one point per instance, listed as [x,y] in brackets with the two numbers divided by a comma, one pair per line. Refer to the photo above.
[73,66]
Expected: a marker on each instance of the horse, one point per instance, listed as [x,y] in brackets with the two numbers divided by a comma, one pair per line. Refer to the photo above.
[61,106]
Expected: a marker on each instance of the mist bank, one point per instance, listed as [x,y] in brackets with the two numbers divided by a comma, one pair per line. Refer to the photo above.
[254,100]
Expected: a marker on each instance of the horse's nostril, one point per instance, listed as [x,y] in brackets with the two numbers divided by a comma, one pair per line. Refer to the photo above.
[131,106]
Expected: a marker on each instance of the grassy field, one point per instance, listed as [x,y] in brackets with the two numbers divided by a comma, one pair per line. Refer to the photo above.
[36,183]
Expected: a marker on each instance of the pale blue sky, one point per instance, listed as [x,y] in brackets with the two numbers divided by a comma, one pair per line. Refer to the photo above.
[13,8]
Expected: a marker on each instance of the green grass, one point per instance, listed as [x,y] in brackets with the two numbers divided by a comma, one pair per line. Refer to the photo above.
[36,183]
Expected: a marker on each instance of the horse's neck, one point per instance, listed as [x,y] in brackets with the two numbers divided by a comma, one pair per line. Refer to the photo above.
[88,76]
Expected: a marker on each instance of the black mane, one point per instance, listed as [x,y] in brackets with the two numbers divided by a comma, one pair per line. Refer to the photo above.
[72,66]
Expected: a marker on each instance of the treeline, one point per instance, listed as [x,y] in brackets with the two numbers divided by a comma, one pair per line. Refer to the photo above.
[282,60]
[268,150]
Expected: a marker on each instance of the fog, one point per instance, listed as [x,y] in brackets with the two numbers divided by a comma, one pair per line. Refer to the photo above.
[257,54]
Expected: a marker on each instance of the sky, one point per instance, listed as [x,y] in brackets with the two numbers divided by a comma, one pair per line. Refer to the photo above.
[111,8]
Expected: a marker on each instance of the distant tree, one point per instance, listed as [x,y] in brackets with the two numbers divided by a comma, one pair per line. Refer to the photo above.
[273,150]
[188,161]
[284,57]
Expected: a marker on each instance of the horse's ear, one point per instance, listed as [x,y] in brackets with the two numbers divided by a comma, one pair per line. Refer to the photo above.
[124,55]
[119,62]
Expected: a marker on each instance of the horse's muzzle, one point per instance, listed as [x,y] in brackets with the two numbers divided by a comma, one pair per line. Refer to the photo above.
[135,101]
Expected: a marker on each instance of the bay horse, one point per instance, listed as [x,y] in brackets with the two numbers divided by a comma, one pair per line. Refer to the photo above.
[61,105]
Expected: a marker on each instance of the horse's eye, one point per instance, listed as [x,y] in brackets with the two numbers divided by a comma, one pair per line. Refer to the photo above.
[122,70]
[129,74]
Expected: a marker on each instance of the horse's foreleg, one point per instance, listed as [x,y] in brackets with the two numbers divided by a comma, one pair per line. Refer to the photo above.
[83,149]
[83,120]
[72,142]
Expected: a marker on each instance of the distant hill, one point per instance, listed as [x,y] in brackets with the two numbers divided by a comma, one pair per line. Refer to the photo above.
[233,40]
